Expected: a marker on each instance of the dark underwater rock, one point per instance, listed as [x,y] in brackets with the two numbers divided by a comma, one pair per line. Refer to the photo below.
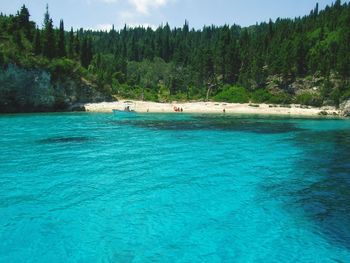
[64,140]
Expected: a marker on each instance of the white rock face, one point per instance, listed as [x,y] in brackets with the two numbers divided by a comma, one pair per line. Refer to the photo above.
[345,108]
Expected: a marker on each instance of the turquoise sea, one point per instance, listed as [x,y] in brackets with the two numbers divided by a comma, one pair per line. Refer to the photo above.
[173,188]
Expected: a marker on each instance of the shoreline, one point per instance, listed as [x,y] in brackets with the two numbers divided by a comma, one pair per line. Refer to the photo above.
[214,108]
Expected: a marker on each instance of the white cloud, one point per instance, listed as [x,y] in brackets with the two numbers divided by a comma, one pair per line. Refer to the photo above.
[102,27]
[133,13]
[144,6]
[144,25]
[108,27]
[127,16]
[110,1]
[133,19]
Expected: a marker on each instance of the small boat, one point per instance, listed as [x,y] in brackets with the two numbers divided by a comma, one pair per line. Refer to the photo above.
[125,115]
[128,111]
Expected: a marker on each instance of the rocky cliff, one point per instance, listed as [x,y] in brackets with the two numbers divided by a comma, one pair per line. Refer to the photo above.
[313,90]
[35,90]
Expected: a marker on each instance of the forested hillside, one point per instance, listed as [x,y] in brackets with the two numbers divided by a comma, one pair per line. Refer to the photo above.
[40,70]
[304,60]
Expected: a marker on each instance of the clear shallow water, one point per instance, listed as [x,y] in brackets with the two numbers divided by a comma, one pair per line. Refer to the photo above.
[173,188]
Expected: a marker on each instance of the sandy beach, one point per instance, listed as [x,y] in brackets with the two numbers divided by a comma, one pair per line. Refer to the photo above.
[212,107]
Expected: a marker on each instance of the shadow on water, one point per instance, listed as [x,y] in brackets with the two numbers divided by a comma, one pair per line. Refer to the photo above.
[322,189]
[222,123]
[65,140]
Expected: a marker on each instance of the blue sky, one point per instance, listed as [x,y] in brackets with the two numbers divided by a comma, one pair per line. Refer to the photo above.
[101,14]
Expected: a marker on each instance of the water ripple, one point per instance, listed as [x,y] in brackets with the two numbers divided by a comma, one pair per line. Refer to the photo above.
[166,188]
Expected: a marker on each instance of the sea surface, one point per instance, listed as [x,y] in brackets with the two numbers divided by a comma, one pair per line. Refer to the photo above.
[80,187]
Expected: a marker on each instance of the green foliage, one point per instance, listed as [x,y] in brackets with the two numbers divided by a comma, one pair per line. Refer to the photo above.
[150,95]
[280,98]
[234,94]
[2,58]
[125,91]
[63,67]
[37,43]
[86,53]
[308,98]
[49,47]
[335,97]
[346,94]
[231,62]
[179,97]
[61,41]
[260,96]
[163,94]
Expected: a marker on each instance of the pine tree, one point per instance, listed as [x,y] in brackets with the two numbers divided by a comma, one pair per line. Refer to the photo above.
[86,52]
[301,53]
[17,38]
[61,41]
[224,51]
[83,51]
[343,64]
[71,43]
[89,54]
[166,43]
[77,46]
[49,49]
[207,65]
[23,21]
[37,42]
[46,16]
[287,48]
[316,10]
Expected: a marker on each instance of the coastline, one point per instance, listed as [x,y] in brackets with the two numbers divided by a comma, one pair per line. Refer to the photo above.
[214,108]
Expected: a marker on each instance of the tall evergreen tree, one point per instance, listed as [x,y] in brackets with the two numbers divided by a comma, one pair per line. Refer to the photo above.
[49,48]
[77,45]
[71,44]
[316,10]
[61,41]
[343,64]
[46,16]
[37,42]
[89,53]
[86,52]
[17,38]
[83,52]
[23,21]
[178,58]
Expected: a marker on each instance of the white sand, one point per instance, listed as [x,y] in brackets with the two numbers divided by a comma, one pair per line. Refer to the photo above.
[210,107]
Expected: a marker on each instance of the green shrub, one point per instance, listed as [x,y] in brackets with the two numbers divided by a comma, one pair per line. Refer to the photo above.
[233,94]
[308,98]
[280,98]
[150,95]
[163,94]
[346,94]
[179,97]
[127,92]
[260,96]
[62,67]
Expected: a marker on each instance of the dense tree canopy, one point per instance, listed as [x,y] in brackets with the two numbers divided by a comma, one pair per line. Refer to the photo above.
[183,63]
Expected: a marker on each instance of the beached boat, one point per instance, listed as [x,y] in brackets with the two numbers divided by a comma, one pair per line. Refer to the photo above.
[127,112]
